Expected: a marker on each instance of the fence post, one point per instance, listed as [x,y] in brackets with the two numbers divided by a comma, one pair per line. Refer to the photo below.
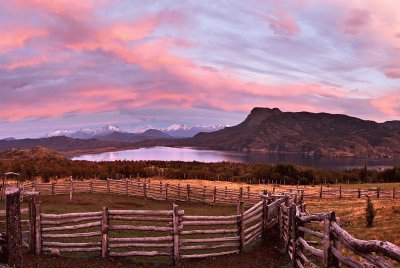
[336,242]
[214,194]
[52,188]
[359,193]
[166,191]
[240,200]
[71,189]
[326,242]
[394,192]
[241,225]
[126,186]
[91,186]
[320,192]
[14,236]
[160,188]
[264,215]
[108,186]
[38,230]
[340,192]
[32,220]
[104,233]
[144,189]
[204,193]
[188,193]
[179,191]
[378,192]
[294,233]
[175,221]
[248,192]
[226,192]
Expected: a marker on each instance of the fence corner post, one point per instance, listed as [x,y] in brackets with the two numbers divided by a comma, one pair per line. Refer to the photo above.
[104,233]
[14,236]
[175,221]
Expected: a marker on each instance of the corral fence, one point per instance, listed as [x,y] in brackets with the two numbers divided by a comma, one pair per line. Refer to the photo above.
[318,240]
[168,233]
[153,190]
[187,192]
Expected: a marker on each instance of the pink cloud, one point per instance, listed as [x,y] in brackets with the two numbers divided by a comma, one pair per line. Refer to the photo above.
[17,37]
[389,105]
[282,23]
[355,21]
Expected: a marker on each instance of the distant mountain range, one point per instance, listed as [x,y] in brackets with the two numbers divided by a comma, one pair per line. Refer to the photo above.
[271,130]
[173,131]
[85,133]
[264,130]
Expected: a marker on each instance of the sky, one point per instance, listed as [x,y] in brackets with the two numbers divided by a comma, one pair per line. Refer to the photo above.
[76,64]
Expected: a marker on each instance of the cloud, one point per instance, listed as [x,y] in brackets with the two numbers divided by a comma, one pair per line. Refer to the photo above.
[356,20]
[74,59]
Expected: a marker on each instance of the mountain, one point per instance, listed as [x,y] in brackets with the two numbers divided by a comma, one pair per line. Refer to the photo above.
[65,144]
[134,137]
[8,139]
[32,153]
[184,131]
[85,133]
[271,130]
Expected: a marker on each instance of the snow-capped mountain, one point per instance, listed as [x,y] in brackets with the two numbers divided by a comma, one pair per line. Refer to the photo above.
[85,133]
[183,130]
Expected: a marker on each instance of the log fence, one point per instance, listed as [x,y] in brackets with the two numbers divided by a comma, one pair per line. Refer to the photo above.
[168,233]
[210,195]
[318,240]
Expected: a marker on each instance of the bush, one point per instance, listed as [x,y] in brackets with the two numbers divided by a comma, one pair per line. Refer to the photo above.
[370,212]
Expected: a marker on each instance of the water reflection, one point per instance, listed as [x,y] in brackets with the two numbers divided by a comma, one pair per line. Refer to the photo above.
[190,154]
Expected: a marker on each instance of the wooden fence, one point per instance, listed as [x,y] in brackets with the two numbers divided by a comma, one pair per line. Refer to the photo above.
[154,190]
[187,192]
[169,233]
[333,246]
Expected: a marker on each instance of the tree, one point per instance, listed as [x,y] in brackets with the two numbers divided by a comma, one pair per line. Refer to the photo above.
[370,212]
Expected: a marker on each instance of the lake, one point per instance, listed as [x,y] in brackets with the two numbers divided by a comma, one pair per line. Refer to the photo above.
[191,154]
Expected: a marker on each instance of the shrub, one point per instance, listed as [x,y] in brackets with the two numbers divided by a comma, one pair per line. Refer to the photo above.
[370,212]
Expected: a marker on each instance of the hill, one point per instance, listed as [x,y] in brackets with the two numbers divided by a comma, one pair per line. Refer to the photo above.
[134,137]
[32,153]
[65,144]
[271,130]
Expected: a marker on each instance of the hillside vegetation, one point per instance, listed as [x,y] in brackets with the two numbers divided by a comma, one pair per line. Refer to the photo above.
[47,164]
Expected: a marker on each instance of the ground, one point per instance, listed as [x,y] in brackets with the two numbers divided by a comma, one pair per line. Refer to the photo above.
[351,212]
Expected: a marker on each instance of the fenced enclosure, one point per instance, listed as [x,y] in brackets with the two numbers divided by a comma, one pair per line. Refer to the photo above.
[169,233]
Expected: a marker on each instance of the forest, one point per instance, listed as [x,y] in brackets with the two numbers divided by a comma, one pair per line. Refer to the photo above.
[47,169]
